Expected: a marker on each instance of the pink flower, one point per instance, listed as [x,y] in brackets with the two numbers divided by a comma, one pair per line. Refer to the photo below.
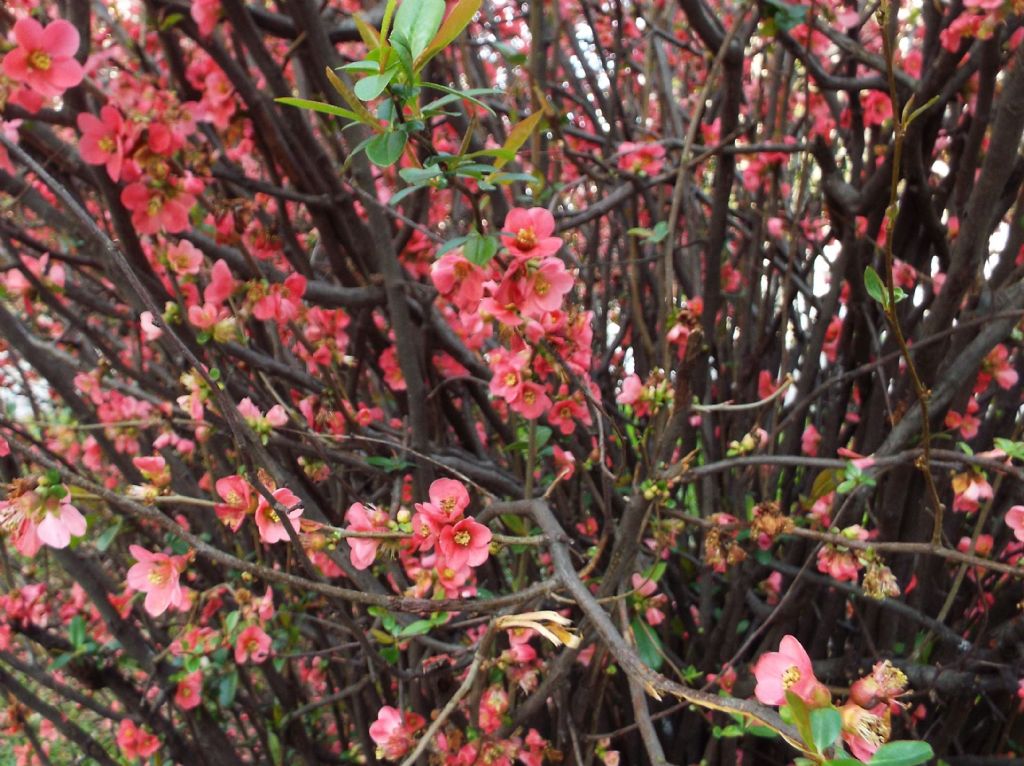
[58,527]
[134,741]
[206,14]
[44,58]
[252,644]
[239,501]
[970,490]
[464,544]
[222,284]
[996,365]
[102,142]
[532,401]
[641,158]
[449,497]
[41,516]
[788,669]
[967,423]
[158,576]
[363,550]
[393,731]
[184,258]
[546,287]
[269,523]
[458,280]
[1015,521]
[190,691]
[527,233]
[565,463]
[160,205]
[147,324]
[648,599]
[810,441]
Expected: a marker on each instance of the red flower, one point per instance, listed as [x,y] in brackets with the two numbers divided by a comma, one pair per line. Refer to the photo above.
[190,691]
[44,59]
[134,741]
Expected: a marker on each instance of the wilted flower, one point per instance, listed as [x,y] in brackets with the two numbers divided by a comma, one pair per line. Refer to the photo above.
[551,625]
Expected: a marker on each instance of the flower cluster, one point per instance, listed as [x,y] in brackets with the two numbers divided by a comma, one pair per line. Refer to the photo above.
[866,716]
[458,543]
[39,512]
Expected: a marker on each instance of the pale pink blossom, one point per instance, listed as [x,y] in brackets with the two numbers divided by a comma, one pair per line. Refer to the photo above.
[158,576]
[788,669]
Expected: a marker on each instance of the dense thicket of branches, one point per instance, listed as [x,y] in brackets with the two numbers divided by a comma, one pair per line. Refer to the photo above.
[721,174]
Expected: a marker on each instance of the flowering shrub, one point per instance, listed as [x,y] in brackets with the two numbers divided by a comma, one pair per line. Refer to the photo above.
[467,383]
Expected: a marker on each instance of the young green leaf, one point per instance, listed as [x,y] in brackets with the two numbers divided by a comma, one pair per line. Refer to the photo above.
[373,85]
[416,22]
[800,715]
[386,149]
[318,106]
[875,286]
[902,753]
[461,14]
[479,249]
[826,723]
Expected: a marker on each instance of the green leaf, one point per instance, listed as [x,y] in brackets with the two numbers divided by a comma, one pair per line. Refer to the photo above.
[660,232]
[416,22]
[648,645]
[319,106]
[227,689]
[76,631]
[274,745]
[826,723]
[373,85]
[801,716]
[785,15]
[458,95]
[61,661]
[231,622]
[401,194]
[170,20]
[388,464]
[366,65]
[479,249]
[386,149]
[451,245]
[458,19]
[420,175]
[902,753]
[875,286]
[104,541]
[417,628]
